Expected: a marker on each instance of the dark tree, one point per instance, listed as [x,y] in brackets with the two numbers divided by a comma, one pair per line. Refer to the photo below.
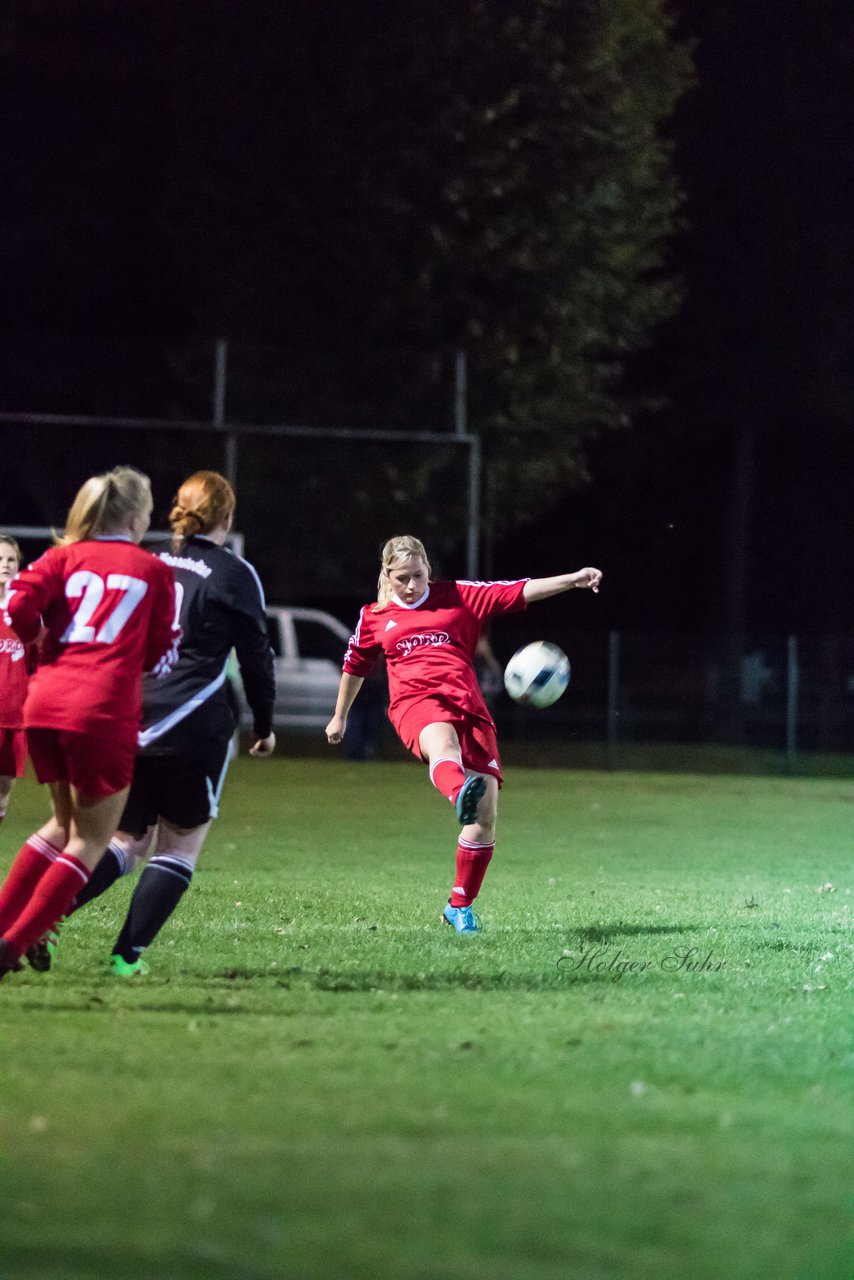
[350,194]
[403,179]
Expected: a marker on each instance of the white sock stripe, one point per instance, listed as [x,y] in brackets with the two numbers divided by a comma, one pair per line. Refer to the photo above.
[213,807]
[175,859]
[169,871]
[473,844]
[229,756]
[156,865]
[457,760]
[43,846]
[82,872]
[121,857]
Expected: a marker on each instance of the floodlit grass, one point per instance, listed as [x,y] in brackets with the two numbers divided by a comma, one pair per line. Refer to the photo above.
[319,1080]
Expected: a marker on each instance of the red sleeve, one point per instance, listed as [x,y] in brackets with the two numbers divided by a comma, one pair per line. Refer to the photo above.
[488,599]
[364,648]
[30,593]
[164,633]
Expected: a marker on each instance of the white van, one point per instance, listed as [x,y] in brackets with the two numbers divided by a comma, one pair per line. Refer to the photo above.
[308,647]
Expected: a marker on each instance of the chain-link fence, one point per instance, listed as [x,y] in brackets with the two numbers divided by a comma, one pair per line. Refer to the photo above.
[781,693]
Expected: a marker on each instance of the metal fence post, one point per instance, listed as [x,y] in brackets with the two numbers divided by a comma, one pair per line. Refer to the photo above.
[220,379]
[791,700]
[461,393]
[473,533]
[613,695]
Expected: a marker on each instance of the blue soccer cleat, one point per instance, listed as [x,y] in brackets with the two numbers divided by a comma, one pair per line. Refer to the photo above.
[471,793]
[461,919]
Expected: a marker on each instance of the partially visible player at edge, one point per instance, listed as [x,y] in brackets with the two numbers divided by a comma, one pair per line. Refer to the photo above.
[14,670]
[188,724]
[109,612]
[428,632]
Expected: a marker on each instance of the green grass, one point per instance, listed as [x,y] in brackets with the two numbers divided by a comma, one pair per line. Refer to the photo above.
[318,1080]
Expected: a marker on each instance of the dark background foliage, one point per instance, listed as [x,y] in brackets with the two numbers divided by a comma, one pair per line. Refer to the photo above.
[351,194]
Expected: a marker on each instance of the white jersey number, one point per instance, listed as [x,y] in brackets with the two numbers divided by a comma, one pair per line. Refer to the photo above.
[91,586]
[179,600]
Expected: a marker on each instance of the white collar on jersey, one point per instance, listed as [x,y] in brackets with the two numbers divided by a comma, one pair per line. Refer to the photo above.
[113,537]
[397,600]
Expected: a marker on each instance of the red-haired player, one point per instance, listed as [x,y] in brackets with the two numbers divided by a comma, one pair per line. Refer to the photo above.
[109,612]
[428,632]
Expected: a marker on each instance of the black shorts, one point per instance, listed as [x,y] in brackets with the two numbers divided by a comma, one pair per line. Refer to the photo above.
[184,789]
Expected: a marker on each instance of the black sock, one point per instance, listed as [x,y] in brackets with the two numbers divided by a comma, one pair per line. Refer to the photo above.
[161,886]
[112,865]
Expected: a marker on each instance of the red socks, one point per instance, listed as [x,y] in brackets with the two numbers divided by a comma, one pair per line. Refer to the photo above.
[448,776]
[472,861]
[51,899]
[35,857]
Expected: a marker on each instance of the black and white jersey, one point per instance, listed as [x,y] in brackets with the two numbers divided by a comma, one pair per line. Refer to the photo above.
[220,605]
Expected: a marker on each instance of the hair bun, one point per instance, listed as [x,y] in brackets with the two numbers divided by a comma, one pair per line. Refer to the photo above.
[204,502]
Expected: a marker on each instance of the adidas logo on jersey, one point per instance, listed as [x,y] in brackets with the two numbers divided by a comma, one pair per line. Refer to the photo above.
[493,764]
[391,623]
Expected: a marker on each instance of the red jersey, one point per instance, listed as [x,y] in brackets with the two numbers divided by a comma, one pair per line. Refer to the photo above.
[429,646]
[14,670]
[109,609]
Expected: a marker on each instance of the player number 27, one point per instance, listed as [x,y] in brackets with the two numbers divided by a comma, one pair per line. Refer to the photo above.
[88,588]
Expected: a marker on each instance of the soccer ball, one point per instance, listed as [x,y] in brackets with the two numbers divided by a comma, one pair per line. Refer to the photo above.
[537,675]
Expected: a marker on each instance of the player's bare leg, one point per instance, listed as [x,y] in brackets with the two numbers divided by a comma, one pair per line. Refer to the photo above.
[475,848]
[475,798]
[119,859]
[35,858]
[93,822]
[90,823]
[482,830]
[57,830]
[440,747]
[81,825]
[48,842]
[135,848]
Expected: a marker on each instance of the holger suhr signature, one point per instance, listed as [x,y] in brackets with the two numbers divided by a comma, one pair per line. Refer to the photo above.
[605,960]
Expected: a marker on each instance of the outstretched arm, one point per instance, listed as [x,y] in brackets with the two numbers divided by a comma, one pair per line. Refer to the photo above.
[347,690]
[543,588]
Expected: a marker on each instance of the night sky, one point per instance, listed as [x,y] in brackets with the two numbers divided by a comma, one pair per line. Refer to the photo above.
[761,345]
[753,377]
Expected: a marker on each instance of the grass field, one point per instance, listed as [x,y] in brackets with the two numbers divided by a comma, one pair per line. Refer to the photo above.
[319,1080]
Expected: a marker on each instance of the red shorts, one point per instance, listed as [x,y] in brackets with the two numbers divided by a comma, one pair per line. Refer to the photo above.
[477,735]
[13,753]
[94,766]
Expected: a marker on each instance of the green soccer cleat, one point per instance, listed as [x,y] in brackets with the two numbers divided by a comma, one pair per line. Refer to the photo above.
[127,969]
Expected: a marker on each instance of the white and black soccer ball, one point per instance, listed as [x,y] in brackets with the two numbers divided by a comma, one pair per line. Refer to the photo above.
[537,674]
